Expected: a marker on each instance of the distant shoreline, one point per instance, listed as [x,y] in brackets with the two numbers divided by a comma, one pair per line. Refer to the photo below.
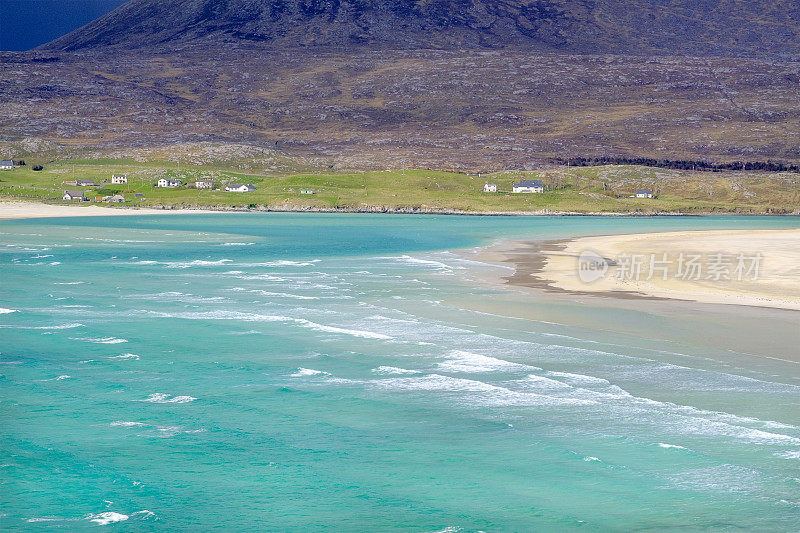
[12,209]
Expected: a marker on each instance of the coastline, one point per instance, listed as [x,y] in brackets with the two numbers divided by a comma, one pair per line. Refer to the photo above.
[16,210]
[12,208]
[552,266]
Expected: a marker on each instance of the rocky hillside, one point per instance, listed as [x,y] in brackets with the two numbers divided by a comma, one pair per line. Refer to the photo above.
[766,28]
[474,110]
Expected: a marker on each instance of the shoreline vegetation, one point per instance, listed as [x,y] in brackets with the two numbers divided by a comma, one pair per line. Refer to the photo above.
[293,184]
[552,266]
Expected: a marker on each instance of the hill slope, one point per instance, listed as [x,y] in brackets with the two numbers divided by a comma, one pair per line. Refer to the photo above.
[676,27]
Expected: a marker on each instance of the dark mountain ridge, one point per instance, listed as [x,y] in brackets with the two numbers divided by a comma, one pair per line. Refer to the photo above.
[766,28]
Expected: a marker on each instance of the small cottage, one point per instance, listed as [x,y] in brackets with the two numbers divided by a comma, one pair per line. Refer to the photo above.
[490,187]
[7,165]
[168,183]
[238,187]
[84,183]
[644,193]
[306,191]
[204,184]
[74,195]
[115,199]
[119,179]
[528,186]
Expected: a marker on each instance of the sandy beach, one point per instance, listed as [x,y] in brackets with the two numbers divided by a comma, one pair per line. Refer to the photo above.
[14,209]
[739,267]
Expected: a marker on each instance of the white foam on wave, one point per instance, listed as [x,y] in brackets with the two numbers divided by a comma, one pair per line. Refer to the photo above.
[126,424]
[462,361]
[237,244]
[196,263]
[57,378]
[4,311]
[100,340]
[126,356]
[438,265]
[579,378]
[591,459]
[280,263]
[185,264]
[670,446]
[276,294]
[471,392]
[333,329]
[56,327]
[108,517]
[69,282]
[305,372]
[393,370]
[159,397]
[433,382]
[544,383]
[256,317]
[789,454]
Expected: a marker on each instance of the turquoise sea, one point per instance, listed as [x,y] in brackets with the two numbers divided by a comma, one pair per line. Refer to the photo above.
[289,372]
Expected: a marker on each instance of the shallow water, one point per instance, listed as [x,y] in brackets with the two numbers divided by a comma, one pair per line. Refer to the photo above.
[302,372]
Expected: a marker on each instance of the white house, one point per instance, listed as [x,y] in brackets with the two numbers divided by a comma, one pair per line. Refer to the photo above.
[204,184]
[490,187]
[528,186]
[119,179]
[115,199]
[644,193]
[306,191]
[6,165]
[238,187]
[74,195]
[164,182]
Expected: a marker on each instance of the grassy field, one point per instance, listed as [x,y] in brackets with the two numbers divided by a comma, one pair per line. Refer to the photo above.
[604,189]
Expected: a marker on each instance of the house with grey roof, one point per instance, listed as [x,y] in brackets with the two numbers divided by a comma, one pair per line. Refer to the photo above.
[528,186]
[169,183]
[7,165]
[74,195]
[238,187]
[644,193]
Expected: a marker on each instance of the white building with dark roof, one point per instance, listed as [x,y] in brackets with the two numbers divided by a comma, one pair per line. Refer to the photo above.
[528,186]
[168,183]
[238,187]
[74,195]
